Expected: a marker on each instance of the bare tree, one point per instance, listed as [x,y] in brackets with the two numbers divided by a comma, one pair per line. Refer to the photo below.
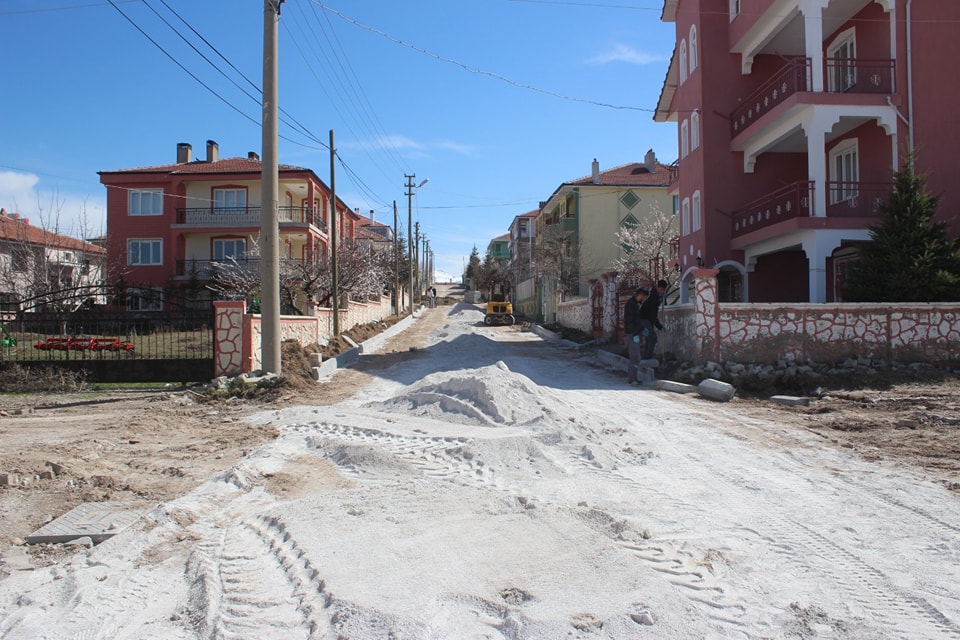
[557,256]
[647,248]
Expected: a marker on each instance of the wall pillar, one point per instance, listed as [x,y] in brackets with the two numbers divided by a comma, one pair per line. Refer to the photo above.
[228,337]
[706,314]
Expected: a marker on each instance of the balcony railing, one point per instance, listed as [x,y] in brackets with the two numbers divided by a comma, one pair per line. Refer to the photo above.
[791,201]
[856,199]
[841,75]
[846,75]
[790,79]
[246,217]
[204,269]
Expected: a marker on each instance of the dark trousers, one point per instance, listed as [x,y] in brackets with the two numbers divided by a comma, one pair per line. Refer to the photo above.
[649,340]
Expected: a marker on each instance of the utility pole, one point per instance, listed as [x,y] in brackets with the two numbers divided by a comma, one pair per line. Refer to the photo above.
[270,351]
[396,262]
[410,234]
[416,260]
[335,283]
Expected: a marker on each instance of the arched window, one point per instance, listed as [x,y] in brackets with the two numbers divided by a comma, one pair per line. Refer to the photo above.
[696,211]
[693,47]
[684,138]
[683,61]
[694,130]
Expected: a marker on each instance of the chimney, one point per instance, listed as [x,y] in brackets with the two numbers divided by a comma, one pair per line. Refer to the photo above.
[371,217]
[650,161]
[184,153]
[213,151]
[252,155]
[595,171]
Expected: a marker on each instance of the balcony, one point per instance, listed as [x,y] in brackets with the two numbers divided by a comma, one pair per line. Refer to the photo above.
[856,199]
[791,201]
[841,75]
[204,269]
[246,217]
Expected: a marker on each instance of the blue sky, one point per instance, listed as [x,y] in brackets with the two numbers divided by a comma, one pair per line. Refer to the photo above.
[497,102]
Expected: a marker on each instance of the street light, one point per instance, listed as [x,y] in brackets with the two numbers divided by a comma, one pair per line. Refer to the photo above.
[410,187]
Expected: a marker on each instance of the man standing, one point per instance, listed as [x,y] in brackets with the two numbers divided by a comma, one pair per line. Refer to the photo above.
[633,329]
[649,308]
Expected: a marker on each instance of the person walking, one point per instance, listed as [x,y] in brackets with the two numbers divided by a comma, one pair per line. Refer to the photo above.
[633,330]
[649,323]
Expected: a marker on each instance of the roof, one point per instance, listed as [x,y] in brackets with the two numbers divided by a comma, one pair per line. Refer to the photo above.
[17,229]
[667,91]
[226,165]
[634,174]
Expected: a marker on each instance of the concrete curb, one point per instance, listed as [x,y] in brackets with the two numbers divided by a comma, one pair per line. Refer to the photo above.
[550,336]
[350,357]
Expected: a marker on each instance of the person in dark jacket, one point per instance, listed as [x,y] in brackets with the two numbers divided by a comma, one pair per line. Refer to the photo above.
[649,309]
[633,331]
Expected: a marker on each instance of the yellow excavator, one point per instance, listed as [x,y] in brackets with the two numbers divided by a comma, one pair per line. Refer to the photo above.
[499,307]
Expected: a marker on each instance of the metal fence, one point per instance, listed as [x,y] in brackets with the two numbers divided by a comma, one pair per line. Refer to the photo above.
[113,346]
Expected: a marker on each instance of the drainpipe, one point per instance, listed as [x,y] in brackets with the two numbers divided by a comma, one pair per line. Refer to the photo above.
[910,72]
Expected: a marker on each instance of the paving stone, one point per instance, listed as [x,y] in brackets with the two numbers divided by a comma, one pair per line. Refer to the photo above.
[716,390]
[676,387]
[791,400]
[96,520]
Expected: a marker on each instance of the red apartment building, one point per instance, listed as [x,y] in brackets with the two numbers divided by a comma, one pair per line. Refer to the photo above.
[792,116]
[167,224]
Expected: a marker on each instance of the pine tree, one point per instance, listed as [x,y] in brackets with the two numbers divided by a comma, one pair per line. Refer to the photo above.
[910,258]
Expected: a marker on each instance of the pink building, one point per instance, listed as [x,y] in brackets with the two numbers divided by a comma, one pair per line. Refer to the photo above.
[792,116]
[169,224]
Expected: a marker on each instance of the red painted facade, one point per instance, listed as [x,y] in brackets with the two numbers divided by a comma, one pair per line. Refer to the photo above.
[792,116]
[166,224]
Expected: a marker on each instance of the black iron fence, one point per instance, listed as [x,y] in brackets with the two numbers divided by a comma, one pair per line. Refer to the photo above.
[113,346]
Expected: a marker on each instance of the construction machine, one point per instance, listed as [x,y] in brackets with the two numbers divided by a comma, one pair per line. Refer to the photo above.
[499,307]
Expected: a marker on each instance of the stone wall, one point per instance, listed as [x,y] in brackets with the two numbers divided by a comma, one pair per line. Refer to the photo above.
[238,334]
[708,330]
[575,314]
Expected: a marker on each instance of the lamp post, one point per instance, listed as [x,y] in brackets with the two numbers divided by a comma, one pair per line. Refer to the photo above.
[410,247]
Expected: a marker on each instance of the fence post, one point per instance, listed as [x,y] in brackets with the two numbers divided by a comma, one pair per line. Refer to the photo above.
[706,315]
[228,337]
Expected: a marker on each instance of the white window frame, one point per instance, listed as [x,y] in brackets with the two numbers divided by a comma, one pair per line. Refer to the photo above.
[226,199]
[135,251]
[692,51]
[845,168]
[684,138]
[683,61]
[841,77]
[694,130]
[695,211]
[685,217]
[220,243]
[144,299]
[734,9]
[145,202]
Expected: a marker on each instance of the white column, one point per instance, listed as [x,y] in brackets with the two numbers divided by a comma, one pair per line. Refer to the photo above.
[817,262]
[816,129]
[812,11]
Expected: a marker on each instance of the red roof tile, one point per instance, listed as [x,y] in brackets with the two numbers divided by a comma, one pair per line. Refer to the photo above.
[634,174]
[19,230]
[226,165]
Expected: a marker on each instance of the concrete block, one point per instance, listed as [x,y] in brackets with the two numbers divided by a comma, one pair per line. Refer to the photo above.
[316,359]
[652,363]
[791,400]
[675,387]
[645,375]
[716,390]
[8,480]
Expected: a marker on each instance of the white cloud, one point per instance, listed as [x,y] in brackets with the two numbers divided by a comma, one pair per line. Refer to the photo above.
[624,53]
[50,208]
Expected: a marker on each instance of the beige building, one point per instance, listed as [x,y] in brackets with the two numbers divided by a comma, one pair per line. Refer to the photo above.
[588,213]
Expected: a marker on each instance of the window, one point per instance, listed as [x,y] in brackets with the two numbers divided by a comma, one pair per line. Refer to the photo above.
[229,199]
[694,130]
[693,47]
[841,62]
[684,138]
[734,9]
[683,61]
[146,202]
[144,299]
[685,218]
[227,248]
[144,252]
[696,211]
[676,205]
[844,171]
